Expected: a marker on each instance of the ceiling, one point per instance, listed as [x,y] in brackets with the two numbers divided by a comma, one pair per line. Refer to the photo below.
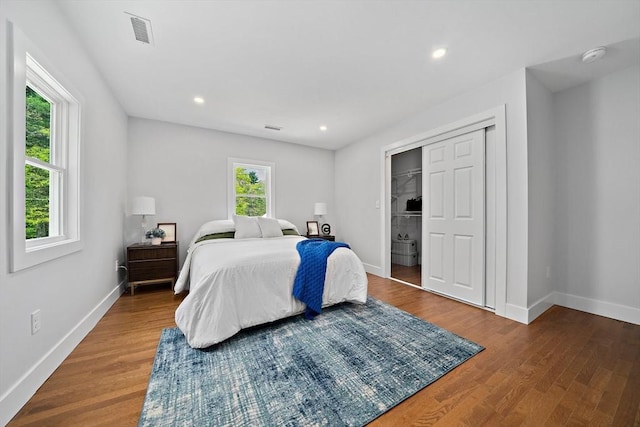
[354,66]
[568,72]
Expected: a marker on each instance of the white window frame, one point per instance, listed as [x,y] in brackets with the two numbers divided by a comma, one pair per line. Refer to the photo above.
[56,166]
[29,66]
[232,164]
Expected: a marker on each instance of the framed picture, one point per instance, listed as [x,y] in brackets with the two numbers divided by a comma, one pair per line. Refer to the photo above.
[170,231]
[312,228]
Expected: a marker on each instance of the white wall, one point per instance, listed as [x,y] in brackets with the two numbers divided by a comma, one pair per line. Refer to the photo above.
[74,291]
[598,195]
[359,177]
[542,182]
[185,169]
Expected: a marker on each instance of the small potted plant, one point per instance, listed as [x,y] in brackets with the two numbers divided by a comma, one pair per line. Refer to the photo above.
[156,235]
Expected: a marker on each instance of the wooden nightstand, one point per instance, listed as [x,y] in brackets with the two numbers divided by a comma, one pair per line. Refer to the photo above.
[322,236]
[149,264]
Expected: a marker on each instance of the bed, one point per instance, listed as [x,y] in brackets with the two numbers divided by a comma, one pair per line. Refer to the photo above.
[237,279]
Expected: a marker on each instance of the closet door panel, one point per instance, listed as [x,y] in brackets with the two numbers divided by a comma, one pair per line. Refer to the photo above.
[454,227]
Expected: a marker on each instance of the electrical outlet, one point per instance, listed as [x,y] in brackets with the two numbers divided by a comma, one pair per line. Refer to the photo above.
[117,265]
[36,322]
[548,272]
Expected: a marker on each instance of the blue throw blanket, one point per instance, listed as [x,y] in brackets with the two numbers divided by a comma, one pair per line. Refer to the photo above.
[309,283]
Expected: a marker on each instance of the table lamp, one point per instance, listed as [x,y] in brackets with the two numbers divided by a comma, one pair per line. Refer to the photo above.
[144,206]
[320,209]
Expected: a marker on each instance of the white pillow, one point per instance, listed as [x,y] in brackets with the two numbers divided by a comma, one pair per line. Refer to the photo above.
[270,227]
[246,227]
[227,225]
[213,227]
[286,225]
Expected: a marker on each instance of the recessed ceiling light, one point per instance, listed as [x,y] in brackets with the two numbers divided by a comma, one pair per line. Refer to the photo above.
[323,128]
[439,53]
[198,100]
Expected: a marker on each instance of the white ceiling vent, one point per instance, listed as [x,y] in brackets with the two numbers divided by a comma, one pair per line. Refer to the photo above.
[141,28]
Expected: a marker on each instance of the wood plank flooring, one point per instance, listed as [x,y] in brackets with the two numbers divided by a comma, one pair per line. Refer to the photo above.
[566,368]
[407,274]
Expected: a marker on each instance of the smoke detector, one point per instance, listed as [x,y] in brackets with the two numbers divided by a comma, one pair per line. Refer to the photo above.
[593,54]
[141,28]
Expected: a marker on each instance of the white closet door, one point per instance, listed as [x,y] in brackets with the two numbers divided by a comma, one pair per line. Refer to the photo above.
[453,217]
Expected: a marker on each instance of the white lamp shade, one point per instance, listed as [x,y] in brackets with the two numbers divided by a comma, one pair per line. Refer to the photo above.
[320,208]
[143,206]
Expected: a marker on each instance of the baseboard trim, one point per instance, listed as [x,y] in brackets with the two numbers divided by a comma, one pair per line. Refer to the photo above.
[517,313]
[372,269]
[20,393]
[601,308]
[540,306]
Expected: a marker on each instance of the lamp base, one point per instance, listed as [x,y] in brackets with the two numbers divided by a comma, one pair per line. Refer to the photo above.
[143,238]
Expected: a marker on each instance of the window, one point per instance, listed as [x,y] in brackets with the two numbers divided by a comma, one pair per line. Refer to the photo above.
[45,214]
[250,192]
[43,178]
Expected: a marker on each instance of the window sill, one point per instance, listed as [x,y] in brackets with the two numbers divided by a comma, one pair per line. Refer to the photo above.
[25,257]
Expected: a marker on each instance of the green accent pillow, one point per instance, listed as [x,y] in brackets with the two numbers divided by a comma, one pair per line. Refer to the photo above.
[231,235]
[227,235]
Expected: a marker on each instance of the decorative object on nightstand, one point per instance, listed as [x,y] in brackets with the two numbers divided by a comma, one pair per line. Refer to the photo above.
[149,264]
[144,206]
[320,209]
[312,229]
[326,229]
[156,235]
[171,231]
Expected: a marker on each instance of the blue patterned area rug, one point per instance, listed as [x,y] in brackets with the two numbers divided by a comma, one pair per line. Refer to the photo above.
[347,367]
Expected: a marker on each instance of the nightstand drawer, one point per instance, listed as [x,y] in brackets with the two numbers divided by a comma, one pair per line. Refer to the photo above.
[152,252]
[152,270]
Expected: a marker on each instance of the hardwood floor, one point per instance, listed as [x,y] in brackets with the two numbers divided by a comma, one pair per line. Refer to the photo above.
[566,368]
[412,274]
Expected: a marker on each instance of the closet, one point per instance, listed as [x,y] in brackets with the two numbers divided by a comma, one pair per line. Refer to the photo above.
[442,214]
[406,216]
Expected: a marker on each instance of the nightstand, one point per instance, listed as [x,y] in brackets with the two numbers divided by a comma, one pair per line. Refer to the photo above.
[149,264]
[322,236]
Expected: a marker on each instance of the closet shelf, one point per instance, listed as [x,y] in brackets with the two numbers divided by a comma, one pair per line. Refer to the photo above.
[409,173]
[407,213]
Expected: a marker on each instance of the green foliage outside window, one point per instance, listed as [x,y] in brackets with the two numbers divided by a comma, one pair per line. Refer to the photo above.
[37,180]
[251,193]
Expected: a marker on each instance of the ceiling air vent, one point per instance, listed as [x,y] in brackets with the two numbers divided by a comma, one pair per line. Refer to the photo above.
[141,28]
[271,127]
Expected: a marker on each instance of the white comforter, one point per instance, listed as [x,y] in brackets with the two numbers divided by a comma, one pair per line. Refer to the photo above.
[238,283]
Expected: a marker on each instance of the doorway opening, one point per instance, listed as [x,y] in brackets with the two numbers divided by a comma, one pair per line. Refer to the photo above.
[406,216]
